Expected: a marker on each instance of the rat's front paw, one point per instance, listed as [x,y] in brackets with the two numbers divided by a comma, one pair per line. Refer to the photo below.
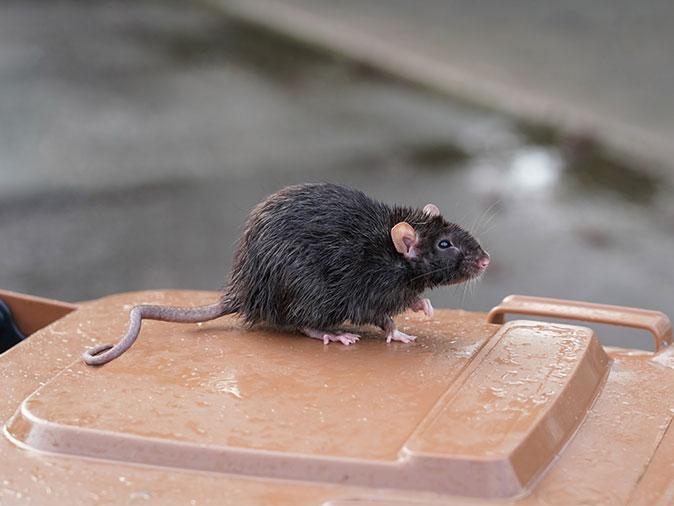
[396,335]
[423,305]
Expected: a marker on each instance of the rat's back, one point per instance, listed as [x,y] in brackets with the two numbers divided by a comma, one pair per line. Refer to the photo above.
[310,256]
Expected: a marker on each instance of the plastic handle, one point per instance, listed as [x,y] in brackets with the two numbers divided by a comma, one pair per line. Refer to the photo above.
[655,322]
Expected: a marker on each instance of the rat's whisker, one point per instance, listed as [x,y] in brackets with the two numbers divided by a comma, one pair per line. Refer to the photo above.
[487,216]
[464,217]
[423,275]
[489,220]
[475,221]
[479,219]
[463,295]
[488,229]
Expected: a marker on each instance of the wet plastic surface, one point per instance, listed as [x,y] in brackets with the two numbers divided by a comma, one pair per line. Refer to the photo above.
[530,412]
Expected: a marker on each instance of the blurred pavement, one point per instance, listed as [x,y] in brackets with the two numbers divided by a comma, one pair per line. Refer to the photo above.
[602,68]
[135,137]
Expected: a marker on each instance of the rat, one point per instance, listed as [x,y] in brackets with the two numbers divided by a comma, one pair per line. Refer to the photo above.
[313,256]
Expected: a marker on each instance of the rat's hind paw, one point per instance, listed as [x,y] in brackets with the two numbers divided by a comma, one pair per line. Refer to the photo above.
[396,335]
[345,338]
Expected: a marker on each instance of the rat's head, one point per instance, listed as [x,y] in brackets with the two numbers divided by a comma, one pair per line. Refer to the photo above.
[440,252]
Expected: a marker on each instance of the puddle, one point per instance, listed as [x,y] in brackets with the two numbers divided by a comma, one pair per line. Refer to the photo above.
[592,170]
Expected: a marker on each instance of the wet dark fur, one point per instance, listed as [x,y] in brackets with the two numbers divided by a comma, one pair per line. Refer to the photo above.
[317,255]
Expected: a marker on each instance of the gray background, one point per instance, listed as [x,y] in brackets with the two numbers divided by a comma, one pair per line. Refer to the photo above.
[136,136]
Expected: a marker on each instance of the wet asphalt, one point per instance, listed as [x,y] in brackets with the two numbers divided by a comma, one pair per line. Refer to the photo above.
[136,136]
[602,67]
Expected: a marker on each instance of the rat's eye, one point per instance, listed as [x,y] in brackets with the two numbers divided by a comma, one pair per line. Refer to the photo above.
[444,244]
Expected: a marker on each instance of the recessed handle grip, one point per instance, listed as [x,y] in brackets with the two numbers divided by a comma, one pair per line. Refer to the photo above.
[655,322]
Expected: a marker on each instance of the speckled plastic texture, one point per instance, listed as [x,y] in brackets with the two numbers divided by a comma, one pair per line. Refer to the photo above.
[524,412]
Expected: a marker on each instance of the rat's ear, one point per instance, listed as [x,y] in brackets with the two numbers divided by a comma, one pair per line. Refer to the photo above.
[404,239]
[431,210]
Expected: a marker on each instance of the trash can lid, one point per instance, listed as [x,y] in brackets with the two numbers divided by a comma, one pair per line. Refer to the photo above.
[471,408]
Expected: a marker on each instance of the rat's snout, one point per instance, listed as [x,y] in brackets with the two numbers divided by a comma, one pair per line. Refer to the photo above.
[483,262]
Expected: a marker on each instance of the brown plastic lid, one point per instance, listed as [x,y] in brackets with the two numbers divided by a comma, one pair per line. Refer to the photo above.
[472,408]
[33,313]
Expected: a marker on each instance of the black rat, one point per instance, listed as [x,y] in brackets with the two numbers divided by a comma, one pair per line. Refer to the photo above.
[313,256]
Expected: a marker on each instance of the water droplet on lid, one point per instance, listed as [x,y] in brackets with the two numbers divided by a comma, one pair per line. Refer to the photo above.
[143,495]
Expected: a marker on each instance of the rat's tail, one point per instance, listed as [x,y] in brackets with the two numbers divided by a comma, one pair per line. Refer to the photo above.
[104,353]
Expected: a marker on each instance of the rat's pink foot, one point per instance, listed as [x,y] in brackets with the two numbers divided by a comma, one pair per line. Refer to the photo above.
[346,338]
[423,305]
[396,335]
[393,334]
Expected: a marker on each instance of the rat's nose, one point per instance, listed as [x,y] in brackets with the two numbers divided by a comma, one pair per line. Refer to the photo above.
[483,262]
